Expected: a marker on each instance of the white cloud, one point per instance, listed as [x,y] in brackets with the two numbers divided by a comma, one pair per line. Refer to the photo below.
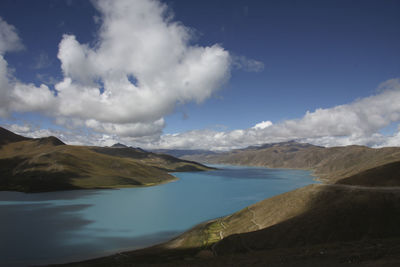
[125,130]
[17,96]
[20,129]
[9,39]
[28,98]
[356,123]
[142,66]
[363,117]
[4,87]
[262,125]
[137,39]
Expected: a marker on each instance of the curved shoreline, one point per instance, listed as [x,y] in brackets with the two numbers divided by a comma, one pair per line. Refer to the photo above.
[197,186]
[175,240]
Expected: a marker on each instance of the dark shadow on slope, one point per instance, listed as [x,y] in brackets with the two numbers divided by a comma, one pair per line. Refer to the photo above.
[385,175]
[333,215]
[32,181]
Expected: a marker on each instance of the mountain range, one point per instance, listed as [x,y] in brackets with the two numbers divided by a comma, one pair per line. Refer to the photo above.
[47,164]
[328,164]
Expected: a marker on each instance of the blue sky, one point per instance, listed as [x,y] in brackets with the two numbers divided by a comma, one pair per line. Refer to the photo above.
[274,61]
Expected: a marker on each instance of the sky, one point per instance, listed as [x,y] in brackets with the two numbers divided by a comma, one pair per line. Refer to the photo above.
[205,74]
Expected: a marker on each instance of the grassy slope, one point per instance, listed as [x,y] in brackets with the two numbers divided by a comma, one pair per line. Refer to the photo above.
[329,164]
[35,165]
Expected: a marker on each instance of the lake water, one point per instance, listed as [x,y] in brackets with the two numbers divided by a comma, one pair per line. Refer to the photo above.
[65,226]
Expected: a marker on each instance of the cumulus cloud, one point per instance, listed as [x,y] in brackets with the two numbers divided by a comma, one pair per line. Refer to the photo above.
[365,116]
[141,66]
[20,129]
[4,87]
[16,96]
[262,125]
[9,39]
[125,130]
[358,122]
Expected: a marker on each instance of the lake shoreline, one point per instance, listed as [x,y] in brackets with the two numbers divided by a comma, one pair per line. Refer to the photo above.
[251,188]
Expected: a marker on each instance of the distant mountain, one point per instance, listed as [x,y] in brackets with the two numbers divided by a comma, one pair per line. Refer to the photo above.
[183,152]
[51,140]
[291,143]
[158,160]
[329,164]
[47,164]
[119,145]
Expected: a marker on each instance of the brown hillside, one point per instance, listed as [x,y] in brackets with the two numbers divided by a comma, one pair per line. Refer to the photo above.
[47,164]
[329,164]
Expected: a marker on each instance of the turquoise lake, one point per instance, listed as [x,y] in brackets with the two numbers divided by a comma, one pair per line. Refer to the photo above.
[65,226]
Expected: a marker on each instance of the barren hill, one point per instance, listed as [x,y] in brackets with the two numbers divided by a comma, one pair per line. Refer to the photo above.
[47,164]
[329,164]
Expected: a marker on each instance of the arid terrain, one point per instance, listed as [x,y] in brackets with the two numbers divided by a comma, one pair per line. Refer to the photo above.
[47,164]
[350,220]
